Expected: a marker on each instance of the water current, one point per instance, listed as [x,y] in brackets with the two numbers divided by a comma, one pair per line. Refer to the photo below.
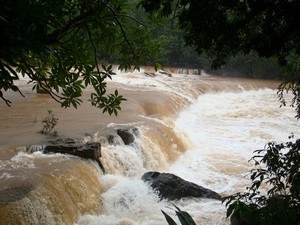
[201,128]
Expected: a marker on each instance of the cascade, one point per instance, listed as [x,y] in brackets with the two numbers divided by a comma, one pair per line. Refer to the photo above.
[202,128]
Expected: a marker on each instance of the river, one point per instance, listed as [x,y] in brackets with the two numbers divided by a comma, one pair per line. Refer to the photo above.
[201,128]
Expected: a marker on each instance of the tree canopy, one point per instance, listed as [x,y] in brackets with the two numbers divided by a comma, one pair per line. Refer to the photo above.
[225,28]
[60,44]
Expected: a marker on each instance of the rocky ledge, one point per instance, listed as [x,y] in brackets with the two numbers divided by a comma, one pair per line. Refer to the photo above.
[88,150]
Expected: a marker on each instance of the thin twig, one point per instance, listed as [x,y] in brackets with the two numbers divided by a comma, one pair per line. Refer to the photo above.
[176,7]
[12,71]
[20,92]
[95,57]
[53,95]
[56,35]
[134,19]
[7,102]
[94,48]
[48,89]
[122,30]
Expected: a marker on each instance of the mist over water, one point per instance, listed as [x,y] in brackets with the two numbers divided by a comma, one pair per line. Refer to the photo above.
[201,128]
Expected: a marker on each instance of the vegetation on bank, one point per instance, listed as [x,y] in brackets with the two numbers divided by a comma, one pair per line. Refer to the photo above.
[277,169]
[174,52]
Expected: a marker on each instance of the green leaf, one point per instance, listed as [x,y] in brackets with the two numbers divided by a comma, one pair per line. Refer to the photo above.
[14,88]
[231,208]
[116,112]
[168,218]
[184,217]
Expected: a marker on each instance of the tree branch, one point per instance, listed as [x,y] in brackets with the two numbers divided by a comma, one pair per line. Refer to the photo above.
[94,48]
[115,15]
[56,35]
[134,19]
[7,102]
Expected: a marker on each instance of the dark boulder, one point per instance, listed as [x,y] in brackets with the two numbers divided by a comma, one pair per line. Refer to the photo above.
[83,150]
[12,194]
[172,187]
[127,134]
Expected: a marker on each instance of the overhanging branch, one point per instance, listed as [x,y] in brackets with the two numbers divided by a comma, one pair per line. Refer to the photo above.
[56,35]
[115,15]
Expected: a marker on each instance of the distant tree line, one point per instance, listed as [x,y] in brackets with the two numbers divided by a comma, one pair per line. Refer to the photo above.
[172,51]
[175,53]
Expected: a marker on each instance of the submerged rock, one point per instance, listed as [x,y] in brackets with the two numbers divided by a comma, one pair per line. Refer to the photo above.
[90,150]
[172,187]
[14,193]
[114,139]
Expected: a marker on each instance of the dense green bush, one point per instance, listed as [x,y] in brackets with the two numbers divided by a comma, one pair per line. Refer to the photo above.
[277,170]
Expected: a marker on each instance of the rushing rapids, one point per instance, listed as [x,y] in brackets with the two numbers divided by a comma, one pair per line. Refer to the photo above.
[201,128]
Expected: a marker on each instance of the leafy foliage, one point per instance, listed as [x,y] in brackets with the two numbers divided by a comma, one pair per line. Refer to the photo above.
[225,28]
[49,124]
[291,83]
[250,66]
[58,44]
[183,216]
[278,169]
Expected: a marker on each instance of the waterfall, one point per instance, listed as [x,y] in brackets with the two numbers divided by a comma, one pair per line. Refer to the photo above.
[201,128]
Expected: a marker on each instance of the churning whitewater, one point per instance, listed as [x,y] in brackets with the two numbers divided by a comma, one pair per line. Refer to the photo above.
[201,128]
[222,131]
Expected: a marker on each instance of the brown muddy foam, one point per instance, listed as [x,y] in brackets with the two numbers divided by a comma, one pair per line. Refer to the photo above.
[54,191]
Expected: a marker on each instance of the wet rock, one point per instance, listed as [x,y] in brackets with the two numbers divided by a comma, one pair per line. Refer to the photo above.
[90,150]
[172,187]
[147,74]
[114,139]
[14,193]
[127,134]
[166,73]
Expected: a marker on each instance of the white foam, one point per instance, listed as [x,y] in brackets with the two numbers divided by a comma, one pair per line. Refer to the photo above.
[127,201]
[225,129]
